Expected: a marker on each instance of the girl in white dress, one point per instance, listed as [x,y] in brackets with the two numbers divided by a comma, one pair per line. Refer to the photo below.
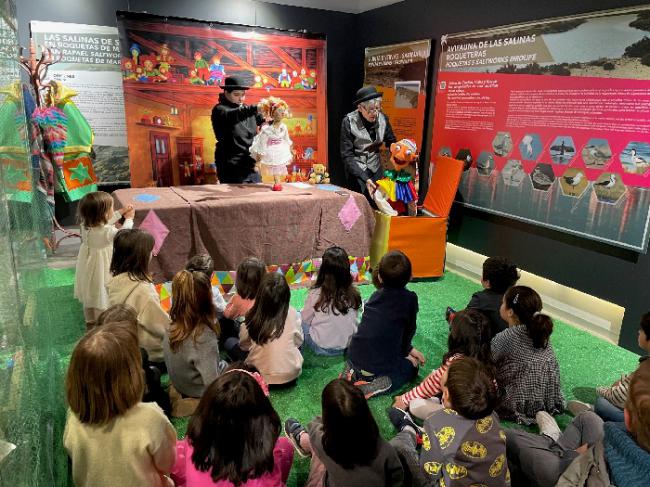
[93,262]
[272,146]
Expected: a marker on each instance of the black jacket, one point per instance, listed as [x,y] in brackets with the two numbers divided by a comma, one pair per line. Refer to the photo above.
[347,144]
[488,302]
[234,126]
[385,332]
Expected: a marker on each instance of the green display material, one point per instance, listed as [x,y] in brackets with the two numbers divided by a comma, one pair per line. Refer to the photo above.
[585,361]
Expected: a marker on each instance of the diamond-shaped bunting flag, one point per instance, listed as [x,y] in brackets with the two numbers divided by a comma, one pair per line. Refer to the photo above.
[349,214]
[156,228]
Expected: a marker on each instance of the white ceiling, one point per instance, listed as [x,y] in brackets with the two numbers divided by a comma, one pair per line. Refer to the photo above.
[350,6]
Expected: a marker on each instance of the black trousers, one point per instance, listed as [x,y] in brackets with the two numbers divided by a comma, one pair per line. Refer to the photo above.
[240,171]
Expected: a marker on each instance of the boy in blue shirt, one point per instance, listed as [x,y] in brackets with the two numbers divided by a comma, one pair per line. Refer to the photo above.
[380,356]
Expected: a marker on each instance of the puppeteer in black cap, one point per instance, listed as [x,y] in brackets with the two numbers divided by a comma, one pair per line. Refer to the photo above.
[235,124]
[363,132]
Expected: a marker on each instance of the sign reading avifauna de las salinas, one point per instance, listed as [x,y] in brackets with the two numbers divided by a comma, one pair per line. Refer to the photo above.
[171,71]
[552,119]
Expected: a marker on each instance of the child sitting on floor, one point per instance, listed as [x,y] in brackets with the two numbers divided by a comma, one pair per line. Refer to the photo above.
[249,275]
[153,392]
[132,285]
[111,436]
[499,274]
[589,452]
[469,337]
[204,263]
[272,333]
[611,400]
[329,317]
[233,439]
[98,230]
[380,356]
[345,446]
[191,346]
[462,444]
[528,373]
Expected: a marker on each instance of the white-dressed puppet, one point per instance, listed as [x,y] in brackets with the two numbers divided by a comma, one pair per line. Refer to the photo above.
[272,146]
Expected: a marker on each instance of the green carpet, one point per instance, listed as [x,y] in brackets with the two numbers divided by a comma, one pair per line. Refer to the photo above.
[585,362]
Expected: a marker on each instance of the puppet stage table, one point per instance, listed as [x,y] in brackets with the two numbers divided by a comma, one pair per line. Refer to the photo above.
[231,222]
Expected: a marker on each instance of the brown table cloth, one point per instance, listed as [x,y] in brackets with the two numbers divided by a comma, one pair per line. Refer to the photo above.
[231,222]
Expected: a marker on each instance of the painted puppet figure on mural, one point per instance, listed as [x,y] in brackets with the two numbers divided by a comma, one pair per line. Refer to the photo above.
[217,72]
[202,67]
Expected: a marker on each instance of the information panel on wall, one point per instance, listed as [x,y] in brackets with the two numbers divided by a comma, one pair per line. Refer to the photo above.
[553,121]
[399,71]
[172,70]
[89,64]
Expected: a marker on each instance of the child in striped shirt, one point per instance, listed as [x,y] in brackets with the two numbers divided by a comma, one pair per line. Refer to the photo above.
[469,337]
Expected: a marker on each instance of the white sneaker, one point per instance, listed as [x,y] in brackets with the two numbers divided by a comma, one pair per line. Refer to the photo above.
[576,407]
[547,425]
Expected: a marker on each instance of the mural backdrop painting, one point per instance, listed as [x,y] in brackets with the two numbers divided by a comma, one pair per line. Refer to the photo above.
[172,69]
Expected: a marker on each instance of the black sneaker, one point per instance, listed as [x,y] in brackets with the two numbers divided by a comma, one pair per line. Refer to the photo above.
[401,419]
[378,386]
[449,314]
[293,429]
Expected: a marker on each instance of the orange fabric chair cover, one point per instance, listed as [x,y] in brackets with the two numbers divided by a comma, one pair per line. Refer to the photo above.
[444,184]
[423,240]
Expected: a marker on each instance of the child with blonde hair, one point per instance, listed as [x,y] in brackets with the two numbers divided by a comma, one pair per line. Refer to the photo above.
[98,230]
[111,436]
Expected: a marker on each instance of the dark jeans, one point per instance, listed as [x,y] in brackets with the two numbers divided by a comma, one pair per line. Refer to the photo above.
[234,351]
[403,373]
[607,411]
[229,329]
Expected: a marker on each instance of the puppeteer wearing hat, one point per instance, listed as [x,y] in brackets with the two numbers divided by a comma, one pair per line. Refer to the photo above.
[363,132]
[235,125]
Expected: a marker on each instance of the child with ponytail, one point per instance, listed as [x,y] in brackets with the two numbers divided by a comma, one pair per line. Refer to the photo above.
[527,370]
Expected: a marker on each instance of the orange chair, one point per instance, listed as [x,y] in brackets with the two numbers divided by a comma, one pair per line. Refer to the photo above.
[422,238]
